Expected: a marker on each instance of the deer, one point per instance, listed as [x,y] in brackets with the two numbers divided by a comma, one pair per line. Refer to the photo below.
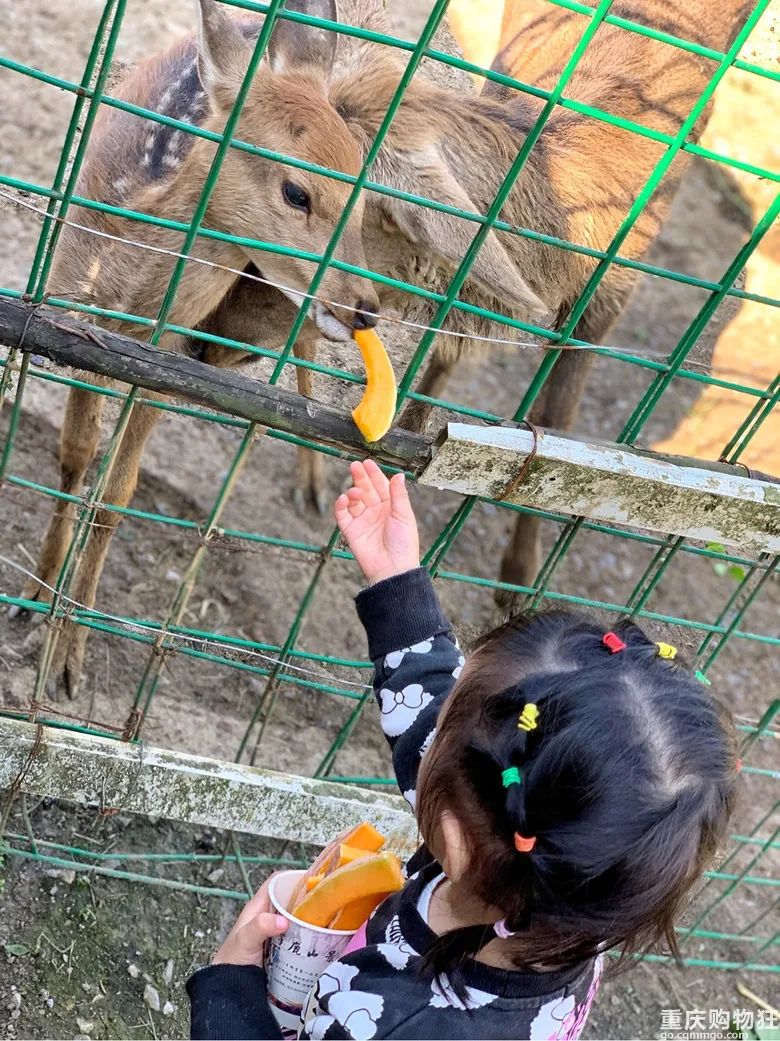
[579,182]
[322,98]
[152,168]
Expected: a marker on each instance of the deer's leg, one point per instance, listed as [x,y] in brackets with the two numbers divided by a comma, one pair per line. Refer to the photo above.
[79,439]
[417,413]
[556,410]
[311,465]
[119,489]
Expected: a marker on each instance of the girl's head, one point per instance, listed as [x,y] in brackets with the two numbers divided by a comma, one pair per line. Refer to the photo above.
[626,783]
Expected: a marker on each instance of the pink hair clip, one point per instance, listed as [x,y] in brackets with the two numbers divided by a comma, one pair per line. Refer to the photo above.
[523,844]
[613,642]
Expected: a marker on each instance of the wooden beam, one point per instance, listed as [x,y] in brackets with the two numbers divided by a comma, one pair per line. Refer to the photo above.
[81,345]
[609,482]
[137,778]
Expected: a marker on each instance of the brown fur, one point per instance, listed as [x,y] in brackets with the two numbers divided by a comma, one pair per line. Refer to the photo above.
[450,145]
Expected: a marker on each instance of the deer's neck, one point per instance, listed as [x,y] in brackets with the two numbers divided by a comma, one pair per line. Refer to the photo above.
[482,141]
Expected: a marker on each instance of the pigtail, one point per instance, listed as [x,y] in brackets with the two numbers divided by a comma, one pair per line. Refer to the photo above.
[522,737]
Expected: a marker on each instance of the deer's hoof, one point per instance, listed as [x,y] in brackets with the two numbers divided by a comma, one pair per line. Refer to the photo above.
[306,496]
[299,501]
[64,683]
[506,606]
[500,615]
[67,663]
[320,500]
[31,590]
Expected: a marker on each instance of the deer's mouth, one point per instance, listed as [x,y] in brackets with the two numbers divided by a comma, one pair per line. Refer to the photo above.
[331,327]
[328,324]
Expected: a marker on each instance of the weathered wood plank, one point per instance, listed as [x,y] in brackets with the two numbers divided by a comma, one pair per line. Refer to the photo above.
[81,345]
[609,482]
[136,778]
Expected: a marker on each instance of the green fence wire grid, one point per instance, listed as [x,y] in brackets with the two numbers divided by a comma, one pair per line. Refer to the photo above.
[285,665]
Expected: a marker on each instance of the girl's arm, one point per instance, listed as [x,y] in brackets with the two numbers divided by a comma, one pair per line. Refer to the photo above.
[417,661]
[410,641]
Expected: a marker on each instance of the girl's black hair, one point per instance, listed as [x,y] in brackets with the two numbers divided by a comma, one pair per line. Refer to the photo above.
[628,783]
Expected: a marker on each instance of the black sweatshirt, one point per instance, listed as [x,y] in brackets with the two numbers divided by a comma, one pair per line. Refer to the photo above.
[376,991]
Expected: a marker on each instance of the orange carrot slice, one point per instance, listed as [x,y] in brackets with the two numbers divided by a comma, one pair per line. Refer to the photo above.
[363,836]
[378,873]
[359,911]
[349,853]
[374,415]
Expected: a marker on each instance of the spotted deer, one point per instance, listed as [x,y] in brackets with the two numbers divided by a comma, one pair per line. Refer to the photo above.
[155,169]
[322,99]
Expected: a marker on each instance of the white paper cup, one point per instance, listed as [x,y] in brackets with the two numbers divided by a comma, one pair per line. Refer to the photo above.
[295,960]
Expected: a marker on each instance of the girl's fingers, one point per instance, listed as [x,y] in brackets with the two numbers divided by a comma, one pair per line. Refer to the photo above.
[377,479]
[341,510]
[263,926]
[260,903]
[361,477]
[400,507]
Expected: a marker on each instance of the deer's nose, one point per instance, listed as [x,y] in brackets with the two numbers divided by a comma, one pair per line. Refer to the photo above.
[364,317]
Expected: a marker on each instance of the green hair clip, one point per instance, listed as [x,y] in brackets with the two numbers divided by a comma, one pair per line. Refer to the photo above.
[511,776]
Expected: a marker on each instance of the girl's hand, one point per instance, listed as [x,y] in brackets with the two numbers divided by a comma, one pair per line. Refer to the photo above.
[376,519]
[246,941]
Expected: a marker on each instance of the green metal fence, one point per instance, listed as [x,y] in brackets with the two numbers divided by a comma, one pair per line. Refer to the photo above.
[724,933]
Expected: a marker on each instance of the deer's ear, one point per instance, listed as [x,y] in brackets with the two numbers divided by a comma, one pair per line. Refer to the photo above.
[223,52]
[449,236]
[295,45]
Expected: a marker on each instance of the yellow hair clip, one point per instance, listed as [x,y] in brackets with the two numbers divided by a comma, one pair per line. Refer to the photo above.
[666,650]
[528,718]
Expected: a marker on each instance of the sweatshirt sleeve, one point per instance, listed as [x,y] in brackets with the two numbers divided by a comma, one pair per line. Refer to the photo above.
[417,661]
[230,1003]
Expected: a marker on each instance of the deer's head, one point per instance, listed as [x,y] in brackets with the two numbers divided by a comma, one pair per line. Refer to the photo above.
[287,111]
[451,147]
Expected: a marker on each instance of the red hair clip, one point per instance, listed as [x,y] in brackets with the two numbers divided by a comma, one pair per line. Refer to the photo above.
[522,844]
[613,642]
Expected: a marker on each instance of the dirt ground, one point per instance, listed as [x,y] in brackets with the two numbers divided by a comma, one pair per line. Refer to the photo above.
[253,591]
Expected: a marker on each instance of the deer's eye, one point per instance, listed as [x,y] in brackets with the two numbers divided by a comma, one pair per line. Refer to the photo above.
[296,196]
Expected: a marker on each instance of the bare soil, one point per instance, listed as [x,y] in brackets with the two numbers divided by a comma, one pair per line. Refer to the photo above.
[253,591]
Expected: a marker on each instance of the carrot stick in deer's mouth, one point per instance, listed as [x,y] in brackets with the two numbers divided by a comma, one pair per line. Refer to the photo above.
[374,415]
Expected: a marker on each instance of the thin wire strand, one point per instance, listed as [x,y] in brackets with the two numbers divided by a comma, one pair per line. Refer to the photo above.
[770,730]
[417,326]
[200,641]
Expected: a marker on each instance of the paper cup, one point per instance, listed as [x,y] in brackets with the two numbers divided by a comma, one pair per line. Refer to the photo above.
[295,961]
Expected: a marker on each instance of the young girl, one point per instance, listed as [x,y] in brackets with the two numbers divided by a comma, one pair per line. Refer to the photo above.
[570,784]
